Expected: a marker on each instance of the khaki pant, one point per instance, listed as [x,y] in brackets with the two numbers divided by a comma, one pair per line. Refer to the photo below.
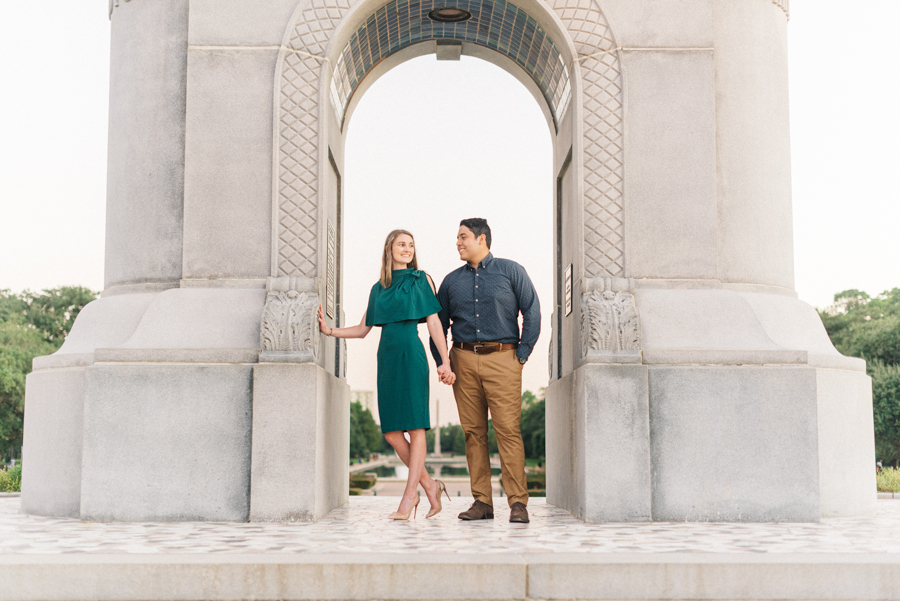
[491,381]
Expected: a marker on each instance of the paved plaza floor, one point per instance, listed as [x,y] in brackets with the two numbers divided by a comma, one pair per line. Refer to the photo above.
[357,553]
[362,527]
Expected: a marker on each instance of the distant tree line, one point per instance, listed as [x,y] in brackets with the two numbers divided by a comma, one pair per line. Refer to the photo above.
[31,324]
[869,327]
[366,437]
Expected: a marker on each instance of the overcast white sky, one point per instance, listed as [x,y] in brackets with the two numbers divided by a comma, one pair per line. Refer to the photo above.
[433,142]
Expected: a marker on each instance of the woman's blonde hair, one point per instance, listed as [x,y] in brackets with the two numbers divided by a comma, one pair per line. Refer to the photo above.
[387,258]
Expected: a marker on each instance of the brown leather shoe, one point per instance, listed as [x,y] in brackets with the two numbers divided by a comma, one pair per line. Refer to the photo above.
[518,513]
[478,511]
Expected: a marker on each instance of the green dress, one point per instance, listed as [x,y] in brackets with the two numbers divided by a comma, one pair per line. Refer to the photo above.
[402,365]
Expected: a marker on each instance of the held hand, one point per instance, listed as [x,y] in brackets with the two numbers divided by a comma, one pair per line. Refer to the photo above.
[322,326]
[446,376]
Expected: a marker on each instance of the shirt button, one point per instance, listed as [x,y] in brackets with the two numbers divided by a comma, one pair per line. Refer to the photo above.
[476,286]
[476,315]
[476,300]
[477,330]
[477,274]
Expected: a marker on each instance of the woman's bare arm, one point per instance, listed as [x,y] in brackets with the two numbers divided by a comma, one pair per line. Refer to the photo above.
[358,331]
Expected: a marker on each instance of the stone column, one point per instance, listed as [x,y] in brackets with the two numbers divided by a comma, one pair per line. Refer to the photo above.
[301,413]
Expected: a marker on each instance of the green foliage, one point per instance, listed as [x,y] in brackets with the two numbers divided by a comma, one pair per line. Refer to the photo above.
[19,344]
[888,480]
[861,326]
[453,439]
[533,424]
[11,480]
[365,435]
[31,325]
[886,407]
[11,305]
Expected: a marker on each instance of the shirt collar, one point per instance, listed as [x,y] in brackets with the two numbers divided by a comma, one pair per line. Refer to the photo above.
[484,262]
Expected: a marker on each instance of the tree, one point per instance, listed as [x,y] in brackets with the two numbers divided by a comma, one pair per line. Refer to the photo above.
[862,326]
[886,406]
[365,435]
[19,345]
[453,439]
[533,424]
[54,311]
[31,325]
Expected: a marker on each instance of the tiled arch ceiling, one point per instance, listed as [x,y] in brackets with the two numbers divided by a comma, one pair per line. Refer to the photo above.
[495,24]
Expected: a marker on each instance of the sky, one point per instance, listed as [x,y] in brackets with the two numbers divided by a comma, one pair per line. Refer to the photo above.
[484,151]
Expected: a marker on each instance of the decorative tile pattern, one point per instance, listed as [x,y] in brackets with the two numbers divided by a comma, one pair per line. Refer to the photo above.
[495,24]
[784,5]
[298,108]
[603,149]
[297,123]
[362,527]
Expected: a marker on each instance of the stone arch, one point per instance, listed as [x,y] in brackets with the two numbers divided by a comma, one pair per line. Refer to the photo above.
[302,77]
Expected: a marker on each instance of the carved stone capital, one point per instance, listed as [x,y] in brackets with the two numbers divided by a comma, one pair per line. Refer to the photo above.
[610,325]
[289,328]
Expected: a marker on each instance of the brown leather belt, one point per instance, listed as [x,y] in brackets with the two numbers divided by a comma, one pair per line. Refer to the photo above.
[483,348]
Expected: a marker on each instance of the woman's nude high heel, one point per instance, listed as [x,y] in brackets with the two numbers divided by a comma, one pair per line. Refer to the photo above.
[442,488]
[405,516]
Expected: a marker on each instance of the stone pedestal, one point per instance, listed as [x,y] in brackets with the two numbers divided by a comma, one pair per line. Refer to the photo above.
[301,433]
[598,443]
[166,443]
[739,409]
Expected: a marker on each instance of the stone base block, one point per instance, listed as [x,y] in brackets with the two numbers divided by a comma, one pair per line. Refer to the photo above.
[846,443]
[734,443]
[166,443]
[51,476]
[598,443]
[301,441]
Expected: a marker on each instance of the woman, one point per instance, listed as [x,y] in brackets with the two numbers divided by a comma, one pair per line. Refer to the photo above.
[398,302]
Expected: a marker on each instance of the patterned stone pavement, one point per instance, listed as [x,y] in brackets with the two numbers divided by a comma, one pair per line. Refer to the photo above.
[361,527]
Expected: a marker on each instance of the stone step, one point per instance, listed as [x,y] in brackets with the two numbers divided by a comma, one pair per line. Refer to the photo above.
[123,577]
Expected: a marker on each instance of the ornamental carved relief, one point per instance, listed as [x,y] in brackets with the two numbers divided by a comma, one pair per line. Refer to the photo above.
[289,329]
[609,318]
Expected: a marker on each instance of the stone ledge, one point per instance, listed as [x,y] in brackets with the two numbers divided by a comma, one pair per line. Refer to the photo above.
[164,355]
[450,576]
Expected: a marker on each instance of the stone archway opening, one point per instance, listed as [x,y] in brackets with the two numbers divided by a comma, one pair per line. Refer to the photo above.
[562,54]
[433,142]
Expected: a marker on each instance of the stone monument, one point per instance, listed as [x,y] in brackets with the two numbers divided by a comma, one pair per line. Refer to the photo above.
[688,382]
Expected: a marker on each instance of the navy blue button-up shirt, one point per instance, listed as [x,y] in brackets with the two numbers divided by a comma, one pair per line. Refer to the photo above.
[483,305]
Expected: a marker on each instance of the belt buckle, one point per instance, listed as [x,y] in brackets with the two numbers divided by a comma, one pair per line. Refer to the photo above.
[475,347]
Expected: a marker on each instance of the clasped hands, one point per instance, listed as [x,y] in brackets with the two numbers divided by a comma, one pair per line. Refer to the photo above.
[446,375]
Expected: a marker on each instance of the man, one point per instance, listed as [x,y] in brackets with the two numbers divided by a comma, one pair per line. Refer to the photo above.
[480,304]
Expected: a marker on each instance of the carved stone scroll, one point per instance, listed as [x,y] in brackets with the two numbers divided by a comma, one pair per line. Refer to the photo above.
[289,328]
[609,319]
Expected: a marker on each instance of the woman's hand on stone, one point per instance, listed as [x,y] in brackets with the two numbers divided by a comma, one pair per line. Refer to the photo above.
[323,327]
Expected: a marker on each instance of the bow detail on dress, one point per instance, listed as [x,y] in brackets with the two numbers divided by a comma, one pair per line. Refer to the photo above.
[408,280]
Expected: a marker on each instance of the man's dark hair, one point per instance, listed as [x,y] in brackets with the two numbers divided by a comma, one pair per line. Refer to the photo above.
[479,226]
